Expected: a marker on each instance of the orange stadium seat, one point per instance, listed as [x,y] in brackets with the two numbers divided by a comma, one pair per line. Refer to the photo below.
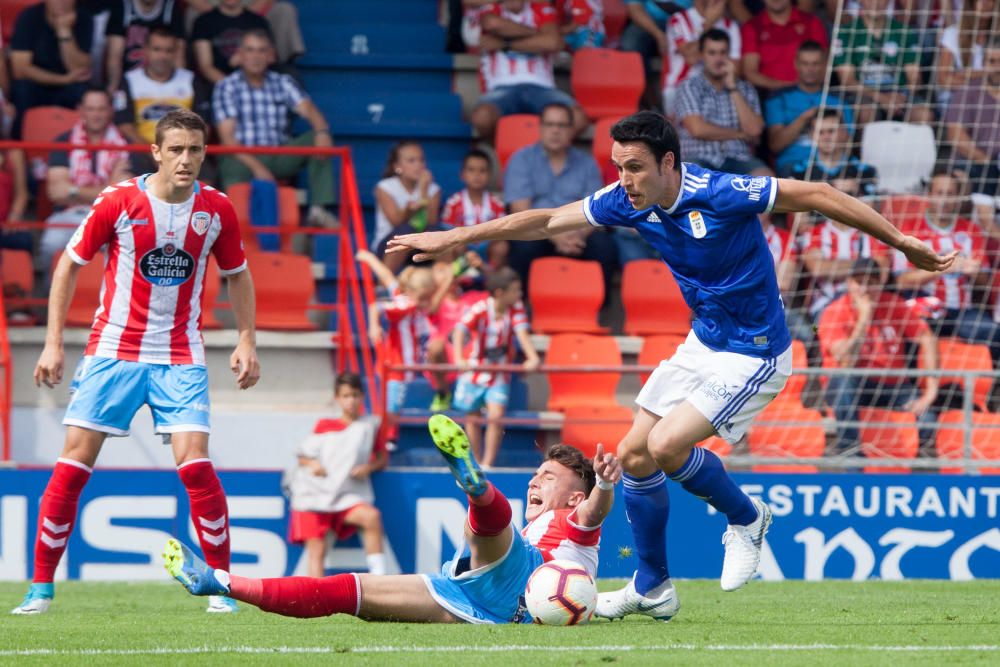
[602,148]
[985,440]
[9,10]
[656,349]
[898,441]
[615,19]
[955,355]
[652,300]
[565,295]
[239,195]
[289,215]
[210,296]
[45,124]
[897,208]
[717,446]
[568,390]
[285,288]
[606,82]
[792,393]
[87,295]
[514,132]
[787,440]
[17,271]
[614,424]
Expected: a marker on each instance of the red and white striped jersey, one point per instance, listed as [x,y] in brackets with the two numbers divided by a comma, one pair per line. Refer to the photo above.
[780,245]
[508,68]
[492,336]
[954,290]
[687,26]
[556,535]
[409,330]
[838,242]
[157,254]
[461,211]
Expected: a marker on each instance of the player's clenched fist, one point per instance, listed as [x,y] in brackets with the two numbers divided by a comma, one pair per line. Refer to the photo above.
[49,369]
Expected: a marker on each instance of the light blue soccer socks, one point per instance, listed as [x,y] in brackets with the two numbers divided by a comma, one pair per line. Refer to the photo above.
[704,475]
[647,506]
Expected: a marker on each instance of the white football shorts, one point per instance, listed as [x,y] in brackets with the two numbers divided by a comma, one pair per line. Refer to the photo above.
[730,389]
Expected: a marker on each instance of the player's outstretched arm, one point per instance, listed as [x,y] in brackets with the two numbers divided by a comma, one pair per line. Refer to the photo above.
[595,508]
[49,369]
[799,196]
[243,360]
[530,225]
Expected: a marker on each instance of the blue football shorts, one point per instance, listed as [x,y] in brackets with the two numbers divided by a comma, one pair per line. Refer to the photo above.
[106,393]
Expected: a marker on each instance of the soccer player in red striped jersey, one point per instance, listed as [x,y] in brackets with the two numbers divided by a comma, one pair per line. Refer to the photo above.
[146,347]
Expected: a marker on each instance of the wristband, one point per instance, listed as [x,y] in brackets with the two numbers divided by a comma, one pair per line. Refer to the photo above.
[604,486]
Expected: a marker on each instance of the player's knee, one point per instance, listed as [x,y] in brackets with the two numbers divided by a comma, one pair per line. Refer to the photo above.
[484,118]
[668,449]
[370,518]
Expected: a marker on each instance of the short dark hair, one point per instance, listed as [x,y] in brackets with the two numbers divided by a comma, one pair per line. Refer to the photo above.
[652,129]
[352,380]
[810,46]
[160,30]
[502,278]
[259,33]
[476,154]
[713,35]
[573,458]
[557,105]
[180,119]
[831,112]
[100,91]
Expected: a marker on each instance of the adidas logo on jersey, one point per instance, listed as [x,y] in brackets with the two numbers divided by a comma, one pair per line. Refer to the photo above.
[652,217]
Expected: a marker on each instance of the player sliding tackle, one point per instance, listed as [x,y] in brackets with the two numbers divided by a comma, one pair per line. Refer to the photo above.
[737,357]
[568,498]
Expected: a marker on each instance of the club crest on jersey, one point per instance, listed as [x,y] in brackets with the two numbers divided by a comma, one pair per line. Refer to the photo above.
[200,222]
[167,266]
[698,228]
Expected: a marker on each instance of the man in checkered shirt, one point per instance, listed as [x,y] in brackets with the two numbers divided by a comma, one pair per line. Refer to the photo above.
[251,108]
[718,114]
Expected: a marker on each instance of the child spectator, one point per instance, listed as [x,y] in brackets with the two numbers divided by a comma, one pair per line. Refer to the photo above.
[330,488]
[409,332]
[475,204]
[581,23]
[490,324]
[407,199]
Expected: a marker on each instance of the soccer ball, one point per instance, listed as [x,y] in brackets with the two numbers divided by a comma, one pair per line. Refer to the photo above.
[561,592]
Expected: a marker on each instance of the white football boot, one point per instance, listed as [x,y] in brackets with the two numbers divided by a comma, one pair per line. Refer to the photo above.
[660,603]
[743,545]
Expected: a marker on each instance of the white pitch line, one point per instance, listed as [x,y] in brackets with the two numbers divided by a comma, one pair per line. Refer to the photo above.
[491,649]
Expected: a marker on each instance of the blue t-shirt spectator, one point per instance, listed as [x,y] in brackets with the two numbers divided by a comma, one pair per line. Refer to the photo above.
[660,11]
[787,105]
[529,176]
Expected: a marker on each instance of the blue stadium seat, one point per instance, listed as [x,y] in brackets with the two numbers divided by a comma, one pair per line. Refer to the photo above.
[351,11]
[369,40]
[427,114]
[360,80]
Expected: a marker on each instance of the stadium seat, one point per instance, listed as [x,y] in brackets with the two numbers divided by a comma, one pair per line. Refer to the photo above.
[656,349]
[239,195]
[985,439]
[897,208]
[565,295]
[607,82]
[17,272]
[602,148]
[568,390]
[615,19]
[791,440]
[289,215]
[514,133]
[9,10]
[45,124]
[210,296]
[717,446]
[285,288]
[792,393]
[606,424]
[653,301]
[903,153]
[87,296]
[900,440]
[957,355]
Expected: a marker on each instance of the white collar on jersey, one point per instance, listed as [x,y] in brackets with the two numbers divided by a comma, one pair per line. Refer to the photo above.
[680,191]
[141,182]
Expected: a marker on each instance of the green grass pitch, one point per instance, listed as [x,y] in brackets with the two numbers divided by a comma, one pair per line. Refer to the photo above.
[795,623]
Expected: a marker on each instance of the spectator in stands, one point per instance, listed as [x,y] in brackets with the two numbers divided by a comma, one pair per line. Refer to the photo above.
[76,178]
[948,299]
[581,23]
[14,200]
[962,46]
[407,199]
[877,60]
[231,18]
[128,28]
[148,92]
[475,204]
[973,122]
[869,328]
[252,107]
[771,42]
[683,55]
[490,327]
[49,56]
[519,39]
[719,113]
[646,34]
[330,488]
[217,38]
[549,174]
[833,162]
[789,113]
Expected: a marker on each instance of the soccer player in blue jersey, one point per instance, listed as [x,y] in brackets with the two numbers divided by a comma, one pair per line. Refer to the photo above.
[737,357]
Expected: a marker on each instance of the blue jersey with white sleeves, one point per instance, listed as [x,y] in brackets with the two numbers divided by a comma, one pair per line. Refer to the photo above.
[714,245]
